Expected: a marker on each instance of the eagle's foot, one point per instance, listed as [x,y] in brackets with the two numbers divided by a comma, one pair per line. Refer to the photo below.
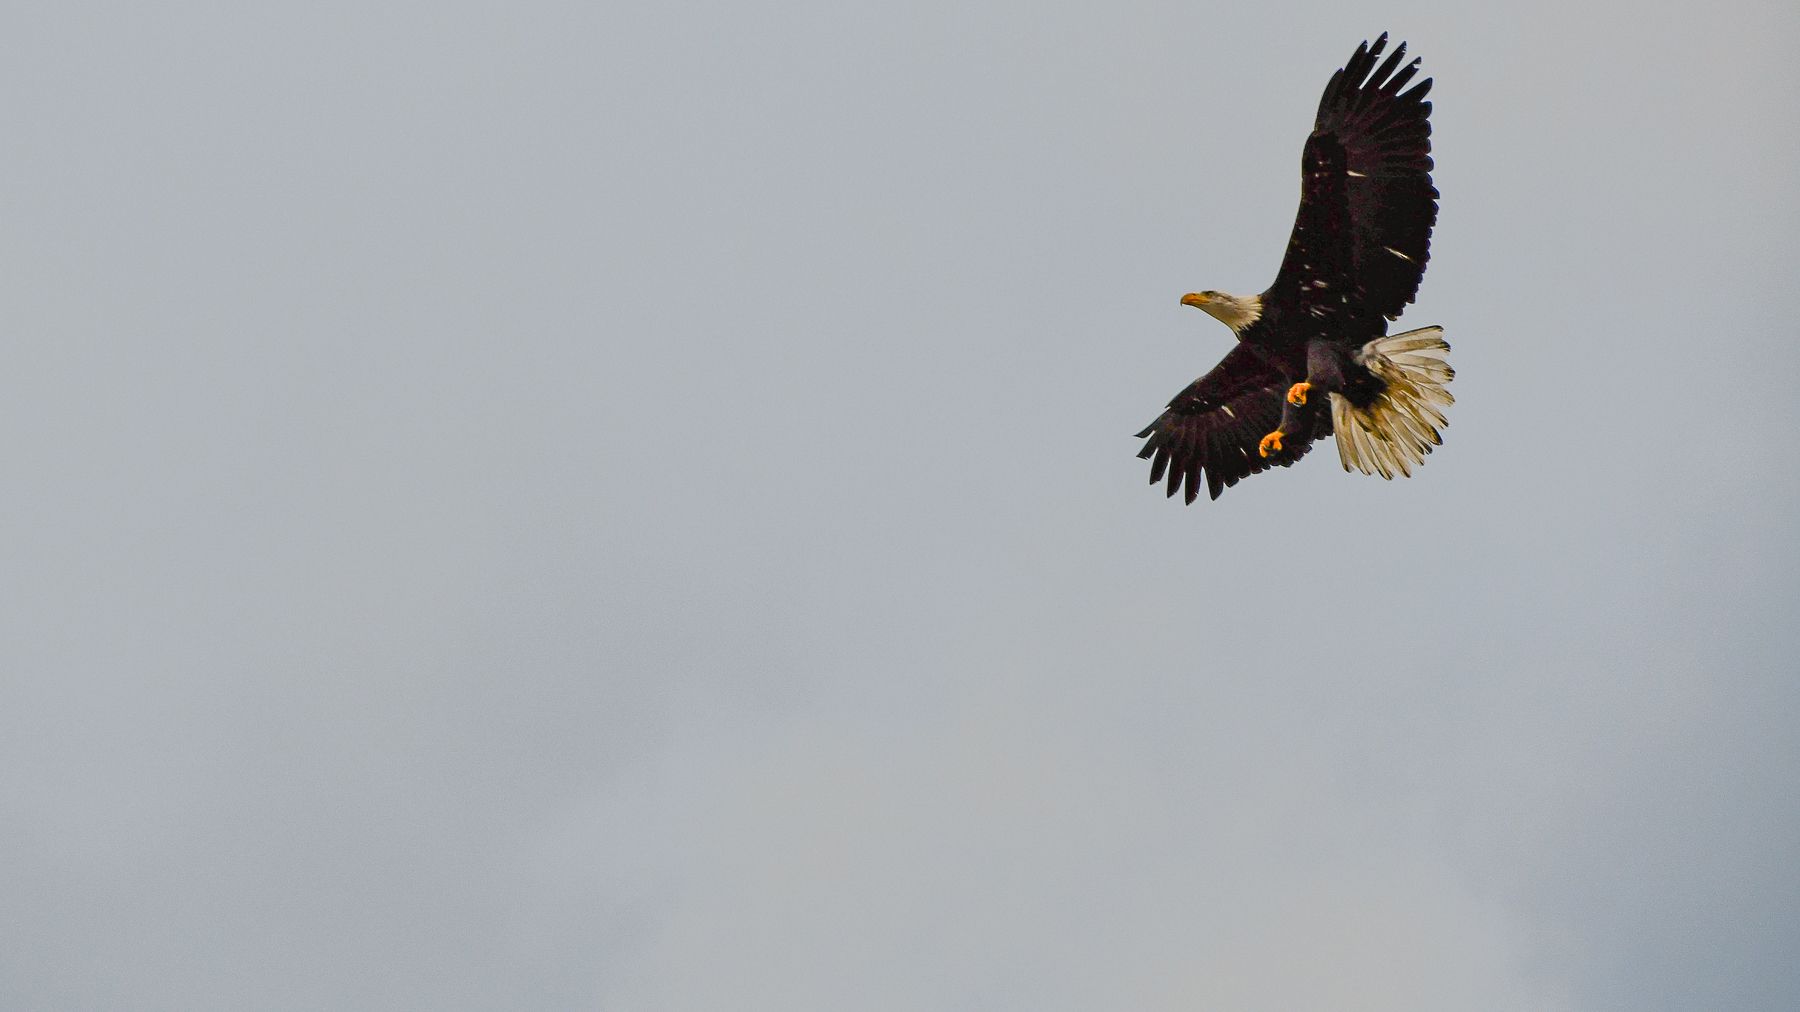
[1297,396]
[1271,443]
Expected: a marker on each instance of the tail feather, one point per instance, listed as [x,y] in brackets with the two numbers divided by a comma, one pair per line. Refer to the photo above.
[1395,432]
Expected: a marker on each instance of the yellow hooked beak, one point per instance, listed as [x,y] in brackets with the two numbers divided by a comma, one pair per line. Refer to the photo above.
[1196,299]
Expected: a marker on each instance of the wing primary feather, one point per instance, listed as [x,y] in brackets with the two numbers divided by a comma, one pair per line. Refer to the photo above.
[1158,465]
[1381,76]
[1399,80]
[1330,96]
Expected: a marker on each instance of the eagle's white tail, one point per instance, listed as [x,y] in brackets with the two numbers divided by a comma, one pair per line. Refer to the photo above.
[1394,433]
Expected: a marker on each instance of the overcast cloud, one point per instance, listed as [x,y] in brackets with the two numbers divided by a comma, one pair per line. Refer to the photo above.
[633,507]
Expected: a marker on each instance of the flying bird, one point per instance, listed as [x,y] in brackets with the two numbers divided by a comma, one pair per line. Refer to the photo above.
[1314,357]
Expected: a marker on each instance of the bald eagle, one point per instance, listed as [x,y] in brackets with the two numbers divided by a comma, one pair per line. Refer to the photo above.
[1314,357]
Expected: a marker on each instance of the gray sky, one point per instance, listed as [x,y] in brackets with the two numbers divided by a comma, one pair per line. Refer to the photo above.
[573,506]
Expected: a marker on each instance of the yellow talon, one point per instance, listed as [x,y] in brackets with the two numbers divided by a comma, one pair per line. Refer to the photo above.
[1297,395]
[1271,443]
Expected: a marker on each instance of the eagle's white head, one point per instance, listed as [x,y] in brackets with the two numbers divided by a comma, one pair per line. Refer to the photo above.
[1234,311]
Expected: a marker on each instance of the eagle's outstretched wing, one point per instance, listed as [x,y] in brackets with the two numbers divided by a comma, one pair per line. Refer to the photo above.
[1214,425]
[1367,205]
